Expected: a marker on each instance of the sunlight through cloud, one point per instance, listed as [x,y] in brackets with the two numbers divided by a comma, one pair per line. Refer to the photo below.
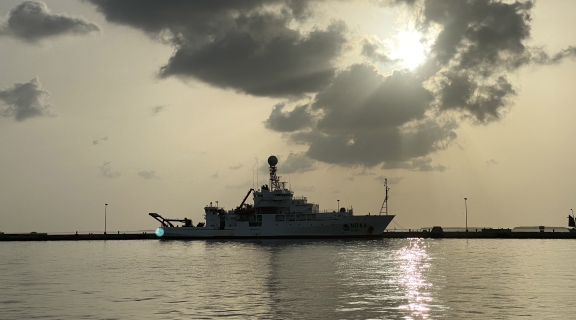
[407,47]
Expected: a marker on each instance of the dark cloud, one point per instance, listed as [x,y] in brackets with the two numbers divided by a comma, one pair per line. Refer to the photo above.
[32,21]
[148,175]
[24,101]
[483,101]
[287,64]
[106,170]
[243,45]
[479,34]
[289,121]
[369,148]
[478,43]
[296,163]
[361,99]
[539,56]
[366,118]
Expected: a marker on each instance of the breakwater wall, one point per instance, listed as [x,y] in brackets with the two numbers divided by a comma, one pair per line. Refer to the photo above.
[76,237]
[496,234]
[479,235]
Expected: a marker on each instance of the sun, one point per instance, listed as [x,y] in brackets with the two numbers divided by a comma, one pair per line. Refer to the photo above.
[408,47]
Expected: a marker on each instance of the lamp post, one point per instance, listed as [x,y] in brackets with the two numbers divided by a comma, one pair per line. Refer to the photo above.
[105,207]
[466,206]
[338,206]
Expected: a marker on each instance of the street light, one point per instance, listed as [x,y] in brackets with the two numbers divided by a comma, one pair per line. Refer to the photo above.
[466,206]
[105,207]
[338,209]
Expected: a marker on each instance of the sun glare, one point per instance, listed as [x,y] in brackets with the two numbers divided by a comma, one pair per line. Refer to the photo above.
[409,48]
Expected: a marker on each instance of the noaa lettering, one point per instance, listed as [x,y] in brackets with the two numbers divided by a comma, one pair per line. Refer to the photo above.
[358,225]
[354,226]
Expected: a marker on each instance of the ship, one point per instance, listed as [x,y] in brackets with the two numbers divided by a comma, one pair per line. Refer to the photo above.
[275,213]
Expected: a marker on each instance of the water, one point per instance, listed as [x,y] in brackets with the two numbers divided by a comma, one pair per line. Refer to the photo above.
[289,279]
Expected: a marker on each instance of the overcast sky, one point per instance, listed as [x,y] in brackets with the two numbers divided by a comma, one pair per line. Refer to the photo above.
[166,106]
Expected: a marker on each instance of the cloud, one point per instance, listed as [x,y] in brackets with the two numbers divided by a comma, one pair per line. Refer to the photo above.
[236,167]
[158,109]
[97,141]
[148,175]
[247,46]
[306,189]
[106,170]
[244,185]
[371,49]
[24,101]
[492,162]
[364,173]
[419,164]
[296,163]
[354,115]
[32,21]
[393,180]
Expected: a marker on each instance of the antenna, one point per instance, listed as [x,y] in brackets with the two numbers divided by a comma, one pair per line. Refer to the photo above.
[384,208]
[257,181]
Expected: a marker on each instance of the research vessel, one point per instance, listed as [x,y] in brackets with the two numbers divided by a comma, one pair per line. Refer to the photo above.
[275,213]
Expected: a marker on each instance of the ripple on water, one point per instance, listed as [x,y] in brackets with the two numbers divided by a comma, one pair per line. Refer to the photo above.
[288,279]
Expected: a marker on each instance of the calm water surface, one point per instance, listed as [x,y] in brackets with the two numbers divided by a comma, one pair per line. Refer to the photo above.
[288,279]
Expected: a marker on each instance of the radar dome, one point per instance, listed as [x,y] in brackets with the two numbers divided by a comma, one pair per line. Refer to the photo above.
[272,161]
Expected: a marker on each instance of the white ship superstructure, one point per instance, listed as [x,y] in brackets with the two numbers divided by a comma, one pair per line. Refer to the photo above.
[276,213]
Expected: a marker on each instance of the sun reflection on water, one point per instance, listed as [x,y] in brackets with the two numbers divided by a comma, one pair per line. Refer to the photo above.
[413,266]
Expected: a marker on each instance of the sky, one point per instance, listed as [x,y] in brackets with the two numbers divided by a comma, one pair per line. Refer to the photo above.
[166,106]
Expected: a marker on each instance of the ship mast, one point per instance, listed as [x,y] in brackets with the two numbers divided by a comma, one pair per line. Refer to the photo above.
[384,208]
[274,179]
